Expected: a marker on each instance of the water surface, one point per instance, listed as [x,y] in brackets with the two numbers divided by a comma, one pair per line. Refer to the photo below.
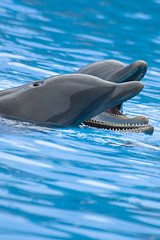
[79,183]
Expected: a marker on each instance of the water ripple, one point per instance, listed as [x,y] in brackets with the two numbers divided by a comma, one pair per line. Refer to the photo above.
[79,183]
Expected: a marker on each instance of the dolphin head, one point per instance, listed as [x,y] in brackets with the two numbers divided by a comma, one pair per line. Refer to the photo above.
[117,72]
[65,100]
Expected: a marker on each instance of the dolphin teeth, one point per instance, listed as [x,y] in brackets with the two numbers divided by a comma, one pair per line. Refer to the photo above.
[121,126]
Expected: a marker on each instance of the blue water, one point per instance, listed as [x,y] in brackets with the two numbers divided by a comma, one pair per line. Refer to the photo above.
[79,183]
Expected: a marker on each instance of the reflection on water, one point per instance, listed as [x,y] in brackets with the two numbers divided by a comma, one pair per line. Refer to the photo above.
[79,183]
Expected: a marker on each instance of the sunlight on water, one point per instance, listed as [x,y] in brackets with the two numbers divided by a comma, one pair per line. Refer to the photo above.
[10,157]
[53,145]
[79,183]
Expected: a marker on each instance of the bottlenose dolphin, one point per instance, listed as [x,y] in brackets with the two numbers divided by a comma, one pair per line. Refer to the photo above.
[117,72]
[65,100]
[91,96]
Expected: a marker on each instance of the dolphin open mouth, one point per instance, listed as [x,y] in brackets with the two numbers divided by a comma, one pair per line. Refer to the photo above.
[119,122]
[112,118]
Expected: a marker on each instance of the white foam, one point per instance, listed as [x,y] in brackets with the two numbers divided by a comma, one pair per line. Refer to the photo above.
[96,218]
[54,145]
[140,162]
[19,145]
[129,177]
[15,158]
[9,55]
[98,184]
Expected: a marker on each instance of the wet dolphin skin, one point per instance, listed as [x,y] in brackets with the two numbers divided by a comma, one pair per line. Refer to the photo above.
[92,96]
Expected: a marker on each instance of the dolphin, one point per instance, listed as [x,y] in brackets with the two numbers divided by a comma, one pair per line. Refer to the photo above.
[117,72]
[65,100]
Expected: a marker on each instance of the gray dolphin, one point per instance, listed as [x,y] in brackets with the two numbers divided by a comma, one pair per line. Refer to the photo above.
[118,72]
[65,100]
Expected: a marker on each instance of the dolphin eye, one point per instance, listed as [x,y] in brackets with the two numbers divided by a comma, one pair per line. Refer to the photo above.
[36,84]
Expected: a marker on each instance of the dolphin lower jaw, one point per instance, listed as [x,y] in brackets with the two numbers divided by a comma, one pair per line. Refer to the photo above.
[120,122]
[146,128]
[113,119]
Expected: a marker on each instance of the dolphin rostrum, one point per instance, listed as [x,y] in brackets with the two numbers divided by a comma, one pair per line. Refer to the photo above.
[118,72]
